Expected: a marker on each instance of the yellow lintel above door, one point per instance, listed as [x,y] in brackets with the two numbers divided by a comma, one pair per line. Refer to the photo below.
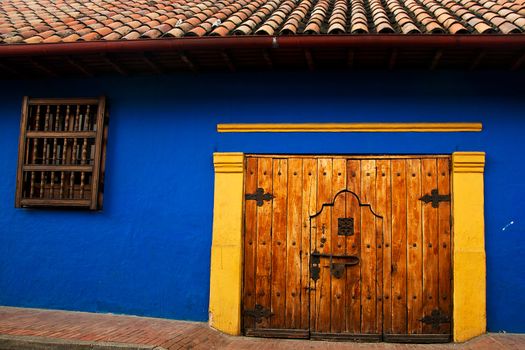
[351,127]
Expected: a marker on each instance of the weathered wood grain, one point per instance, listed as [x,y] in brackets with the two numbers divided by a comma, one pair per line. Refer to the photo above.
[353,247]
[399,247]
[368,249]
[279,208]
[250,241]
[324,244]
[338,292]
[308,241]
[293,243]
[444,239]
[384,239]
[430,243]
[414,247]
[264,241]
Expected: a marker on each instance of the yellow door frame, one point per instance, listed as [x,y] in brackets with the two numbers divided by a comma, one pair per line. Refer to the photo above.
[468,260]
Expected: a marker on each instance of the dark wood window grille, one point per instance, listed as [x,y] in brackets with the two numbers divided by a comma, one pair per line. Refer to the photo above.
[61,153]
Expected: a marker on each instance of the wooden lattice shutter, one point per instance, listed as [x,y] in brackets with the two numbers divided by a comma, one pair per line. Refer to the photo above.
[61,153]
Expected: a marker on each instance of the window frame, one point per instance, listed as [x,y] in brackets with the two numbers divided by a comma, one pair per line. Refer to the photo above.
[95,200]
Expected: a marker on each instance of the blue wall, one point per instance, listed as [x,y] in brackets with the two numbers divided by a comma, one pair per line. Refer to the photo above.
[147,252]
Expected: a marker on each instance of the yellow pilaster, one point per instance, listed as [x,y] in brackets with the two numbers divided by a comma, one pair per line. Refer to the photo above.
[469,271]
[226,252]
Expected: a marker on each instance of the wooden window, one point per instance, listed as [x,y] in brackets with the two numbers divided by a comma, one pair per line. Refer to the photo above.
[61,153]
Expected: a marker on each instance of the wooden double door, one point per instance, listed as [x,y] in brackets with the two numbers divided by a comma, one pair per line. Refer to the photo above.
[353,248]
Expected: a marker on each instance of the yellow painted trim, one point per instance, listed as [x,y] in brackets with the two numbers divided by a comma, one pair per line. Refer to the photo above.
[351,127]
[469,267]
[226,251]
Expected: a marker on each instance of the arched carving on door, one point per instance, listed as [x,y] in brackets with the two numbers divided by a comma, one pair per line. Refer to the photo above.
[345,269]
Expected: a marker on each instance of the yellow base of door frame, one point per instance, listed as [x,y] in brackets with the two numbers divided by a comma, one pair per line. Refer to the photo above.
[468,261]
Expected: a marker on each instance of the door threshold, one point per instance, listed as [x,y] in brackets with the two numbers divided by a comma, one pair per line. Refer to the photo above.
[278,333]
[351,337]
[417,338]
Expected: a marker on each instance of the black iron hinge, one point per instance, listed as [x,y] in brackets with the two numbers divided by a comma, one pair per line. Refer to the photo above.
[436,318]
[435,198]
[259,196]
[258,313]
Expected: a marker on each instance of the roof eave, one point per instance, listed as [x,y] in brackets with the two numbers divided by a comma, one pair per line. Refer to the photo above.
[436,41]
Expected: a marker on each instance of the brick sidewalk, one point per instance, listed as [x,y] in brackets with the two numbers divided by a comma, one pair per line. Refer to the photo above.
[79,330]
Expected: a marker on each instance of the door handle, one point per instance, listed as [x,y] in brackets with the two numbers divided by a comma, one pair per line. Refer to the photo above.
[336,269]
[316,254]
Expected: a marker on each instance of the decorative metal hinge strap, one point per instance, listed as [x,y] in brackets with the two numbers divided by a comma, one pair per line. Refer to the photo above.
[434,197]
[259,196]
[436,318]
[259,312]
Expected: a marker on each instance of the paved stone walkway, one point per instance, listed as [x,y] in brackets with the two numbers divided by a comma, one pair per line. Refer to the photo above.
[22,328]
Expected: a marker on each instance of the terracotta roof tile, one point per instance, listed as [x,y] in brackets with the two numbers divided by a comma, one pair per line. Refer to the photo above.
[71,38]
[131,36]
[83,31]
[104,31]
[13,39]
[152,34]
[36,21]
[90,36]
[34,40]
[224,29]
[53,39]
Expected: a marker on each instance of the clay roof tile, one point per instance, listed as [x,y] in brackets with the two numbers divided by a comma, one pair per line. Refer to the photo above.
[33,40]
[509,28]
[48,21]
[458,28]
[197,31]
[71,38]
[220,31]
[14,39]
[175,32]
[53,39]
[131,36]
[90,36]
[483,28]
[104,31]
[152,34]
[410,28]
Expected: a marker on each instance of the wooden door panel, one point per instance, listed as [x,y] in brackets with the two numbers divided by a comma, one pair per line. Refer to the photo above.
[264,242]
[353,247]
[278,247]
[294,225]
[348,318]
[415,242]
[250,242]
[430,244]
[444,238]
[322,242]
[399,247]
[384,207]
[334,268]
[368,249]
[401,285]
[338,293]
[309,208]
